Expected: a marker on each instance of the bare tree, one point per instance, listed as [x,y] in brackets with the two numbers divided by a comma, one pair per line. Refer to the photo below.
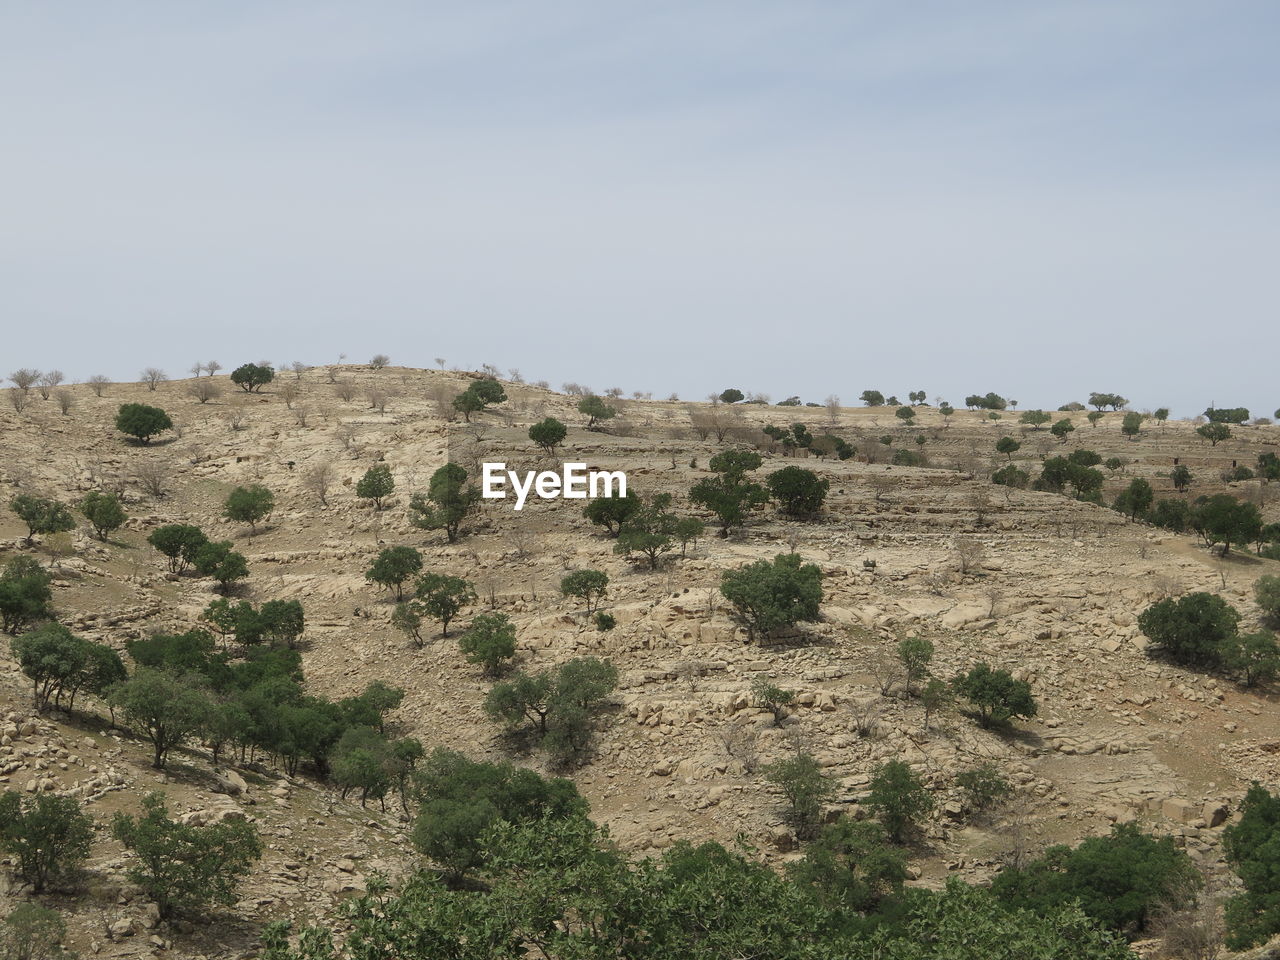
[346,434]
[196,369]
[48,381]
[98,383]
[298,368]
[152,476]
[379,361]
[204,390]
[832,403]
[289,393]
[881,484]
[440,362]
[886,669]
[153,377]
[443,395]
[866,715]
[25,378]
[514,375]
[64,399]
[969,555]
[300,414]
[19,399]
[741,742]
[377,399]
[344,390]
[318,479]
[212,367]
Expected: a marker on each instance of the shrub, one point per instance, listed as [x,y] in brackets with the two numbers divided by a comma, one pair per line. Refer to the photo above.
[1062,428]
[769,595]
[559,703]
[178,542]
[222,563]
[1224,519]
[251,505]
[851,866]
[983,787]
[479,395]
[104,513]
[394,567]
[805,787]
[251,378]
[49,836]
[1120,879]
[24,593]
[1011,476]
[612,512]
[448,501]
[42,515]
[587,585]
[1256,656]
[916,653]
[772,697]
[1196,629]
[184,867]
[604,621]
[1252,846]
[32,932]
[141,421]
[548,434]
[377,484]
[490,641]
[1267,593]
[898,799]
[799,492]
[1135,499]
[729,495]
[996,695]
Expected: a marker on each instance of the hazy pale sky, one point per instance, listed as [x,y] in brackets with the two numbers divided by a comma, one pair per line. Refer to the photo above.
[1038,198]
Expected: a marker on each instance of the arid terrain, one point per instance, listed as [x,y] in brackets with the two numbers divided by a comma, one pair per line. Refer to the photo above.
[1045,586]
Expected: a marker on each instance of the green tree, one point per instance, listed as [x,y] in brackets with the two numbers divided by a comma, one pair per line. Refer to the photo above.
[650,530]
[983,787]
[799,492]
[1062,428]
[1196,629]
[935,696]
[1112,400]
[995,694]
[905,414]
[179,542]
[1172,515]
[479,396]
[595,410]
[916,653]
[548,433]
[185,867]
[449,501]
[687,530]
[361,760]
[732,395]
[24,593]
[490,642]
[222,563]
[251,378]
[1161,414]
[1136,498]
[1252,846]
[1224,519]
[42,515]
[560,703]
[851,866]
[251,505]
[729,495]
[1121,879]
[394,567]
[771,697]
[104,513]
[1215,433]
[898,799]
[612,512]
[1131,425]
[32,932]
[1008,446]
[1011,476]
[587,585]
[1256,656]
[1181,477]
[377,484]
[1236,415]
[872,398]
[141,421]
[442,597]
[1268,466]
[771,594]
[1267,593]
[1035,419]
[805,787]
[48,836]
[408,620]
[166,710]
[51,657]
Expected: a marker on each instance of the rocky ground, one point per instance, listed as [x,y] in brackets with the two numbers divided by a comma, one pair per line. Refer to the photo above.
[1052,592]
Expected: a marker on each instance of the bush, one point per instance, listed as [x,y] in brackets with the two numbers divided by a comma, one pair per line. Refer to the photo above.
[996,695]
[548,433]
[772,697]
[1011,476]
[872,398]
[104,513]
[490,641]
[1267,593]
[32,932]
[983,787]
[612,512]
[222,563]
[48,836]
[251,505]
[1252,846]
[916,653]
[448,501]
[729,495]
[587,585]
[898,799]
[251,378]
[1196,629]
[179,542]
[377,484]
[769,595]
[806,788]
[604,621]
[442,597]
[559,703]
[394,567]
[141,421]
[479,395]
[1256,656]
[42,515]
[595,410]
[1135,499]
[24,593]
[1172,515]
[799,492]
[182,867]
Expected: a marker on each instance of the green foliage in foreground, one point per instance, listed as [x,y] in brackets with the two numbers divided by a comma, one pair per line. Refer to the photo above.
[561,885]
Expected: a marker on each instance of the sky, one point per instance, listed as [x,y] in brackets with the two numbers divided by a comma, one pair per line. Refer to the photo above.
[794,198]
